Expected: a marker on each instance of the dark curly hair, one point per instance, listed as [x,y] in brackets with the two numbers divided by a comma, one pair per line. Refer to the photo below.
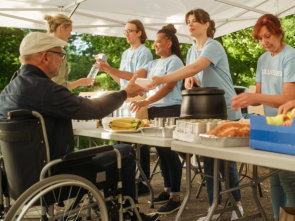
[170,32]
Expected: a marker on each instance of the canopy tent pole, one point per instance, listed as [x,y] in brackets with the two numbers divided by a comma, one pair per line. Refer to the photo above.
[76,3]
[234,18]
[242,6]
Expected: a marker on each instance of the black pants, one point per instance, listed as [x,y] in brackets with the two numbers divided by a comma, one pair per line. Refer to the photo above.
[169,111]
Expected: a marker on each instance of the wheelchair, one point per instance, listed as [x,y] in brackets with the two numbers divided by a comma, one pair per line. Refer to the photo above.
[61,189]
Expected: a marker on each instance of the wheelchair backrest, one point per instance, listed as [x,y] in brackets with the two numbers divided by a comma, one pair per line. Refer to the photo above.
[24,152]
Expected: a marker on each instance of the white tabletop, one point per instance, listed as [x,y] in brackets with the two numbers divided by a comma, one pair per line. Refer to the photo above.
[238,154]
[124,137]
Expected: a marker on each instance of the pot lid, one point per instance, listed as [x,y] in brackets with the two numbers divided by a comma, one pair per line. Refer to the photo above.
[203,91]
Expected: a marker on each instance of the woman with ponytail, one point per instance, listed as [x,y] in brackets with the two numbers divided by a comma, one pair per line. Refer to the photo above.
[207,66]
[60,26]
[163,101]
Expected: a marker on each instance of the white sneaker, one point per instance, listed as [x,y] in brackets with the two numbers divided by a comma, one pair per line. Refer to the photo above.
[234,215]
[214,217]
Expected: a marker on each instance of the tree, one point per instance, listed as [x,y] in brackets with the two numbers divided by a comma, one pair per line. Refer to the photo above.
[81,59]
[10,39]
[242,51]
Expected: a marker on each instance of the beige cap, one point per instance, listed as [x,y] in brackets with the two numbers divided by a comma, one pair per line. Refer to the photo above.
[39,41]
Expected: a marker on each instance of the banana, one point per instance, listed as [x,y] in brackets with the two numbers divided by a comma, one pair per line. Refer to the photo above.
[125,123]
[123,128]
[125,119]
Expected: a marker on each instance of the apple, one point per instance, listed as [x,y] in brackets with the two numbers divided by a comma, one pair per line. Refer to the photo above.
[288,115]
[145,123]
[288,122]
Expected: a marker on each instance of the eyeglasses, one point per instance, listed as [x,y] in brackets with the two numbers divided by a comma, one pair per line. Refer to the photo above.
[129,31]
[61,54]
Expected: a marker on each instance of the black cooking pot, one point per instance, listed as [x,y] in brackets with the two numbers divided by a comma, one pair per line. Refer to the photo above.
[203,102]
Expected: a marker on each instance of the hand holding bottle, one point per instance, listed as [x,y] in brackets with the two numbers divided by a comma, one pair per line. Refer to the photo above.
[95,68]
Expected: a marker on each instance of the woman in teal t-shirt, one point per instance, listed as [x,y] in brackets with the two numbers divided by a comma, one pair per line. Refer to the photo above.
[275,85]
[165,101]
[208,62]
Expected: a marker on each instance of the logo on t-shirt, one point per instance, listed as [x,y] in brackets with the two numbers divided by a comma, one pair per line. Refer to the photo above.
[272,72]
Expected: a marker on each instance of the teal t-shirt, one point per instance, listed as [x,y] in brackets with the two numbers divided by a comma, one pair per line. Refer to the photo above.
[217,74]
[160,67]
[273,71]
[133,60]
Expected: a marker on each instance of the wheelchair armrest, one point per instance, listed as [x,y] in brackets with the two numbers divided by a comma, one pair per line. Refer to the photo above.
[86,153]
[19,114]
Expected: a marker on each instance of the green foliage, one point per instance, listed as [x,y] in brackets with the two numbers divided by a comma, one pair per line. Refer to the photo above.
[288,26]
[82,58]
[10,39]
[106,82]
[243,53]
[83,142]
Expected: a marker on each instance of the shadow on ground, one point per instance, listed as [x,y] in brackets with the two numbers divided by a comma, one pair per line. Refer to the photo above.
[196,207]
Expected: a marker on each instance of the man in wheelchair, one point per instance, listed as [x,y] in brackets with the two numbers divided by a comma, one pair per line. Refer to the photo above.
[41,56]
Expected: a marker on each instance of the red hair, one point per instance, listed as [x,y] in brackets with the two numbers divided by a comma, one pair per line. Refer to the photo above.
[271,22]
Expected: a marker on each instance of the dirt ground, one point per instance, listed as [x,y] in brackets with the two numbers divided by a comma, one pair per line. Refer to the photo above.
[198,207]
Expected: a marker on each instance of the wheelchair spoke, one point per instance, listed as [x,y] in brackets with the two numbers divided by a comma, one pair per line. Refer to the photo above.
[77,199]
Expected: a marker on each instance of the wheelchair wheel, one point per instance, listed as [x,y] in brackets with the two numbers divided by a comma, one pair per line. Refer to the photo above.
[60,198]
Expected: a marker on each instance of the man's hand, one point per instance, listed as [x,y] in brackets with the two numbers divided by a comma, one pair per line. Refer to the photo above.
[133,89]
[103,65]
[283,109]
[136,105]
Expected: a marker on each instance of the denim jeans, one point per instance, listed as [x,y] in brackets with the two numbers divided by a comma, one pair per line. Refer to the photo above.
[171,169]
[282,187]
[233,179]
[287,179]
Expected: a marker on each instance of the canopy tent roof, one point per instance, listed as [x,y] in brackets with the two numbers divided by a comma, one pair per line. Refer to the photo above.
[108,17]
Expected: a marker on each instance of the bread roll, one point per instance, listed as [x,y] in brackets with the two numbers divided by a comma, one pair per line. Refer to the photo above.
[231,129]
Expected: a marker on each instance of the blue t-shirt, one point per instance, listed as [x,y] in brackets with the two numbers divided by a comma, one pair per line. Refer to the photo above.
[191,56]
[133,60]
[217,73]
[160,67]
[273,72]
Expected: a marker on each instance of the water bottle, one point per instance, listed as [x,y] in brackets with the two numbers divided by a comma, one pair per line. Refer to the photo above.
[94,70]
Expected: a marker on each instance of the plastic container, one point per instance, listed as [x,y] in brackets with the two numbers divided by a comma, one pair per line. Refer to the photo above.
[272,138]
[143,82]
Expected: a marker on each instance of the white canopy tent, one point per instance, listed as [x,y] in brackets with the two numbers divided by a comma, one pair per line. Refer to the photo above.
[108,17]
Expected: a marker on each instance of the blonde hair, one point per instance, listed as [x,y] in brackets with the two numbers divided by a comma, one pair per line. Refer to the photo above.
[55,21]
